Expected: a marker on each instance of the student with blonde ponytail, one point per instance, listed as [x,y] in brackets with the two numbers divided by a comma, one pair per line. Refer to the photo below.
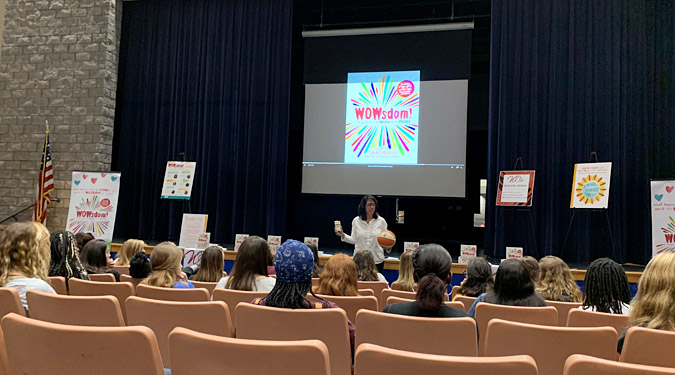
[431,264]
[166,272]
[24,258]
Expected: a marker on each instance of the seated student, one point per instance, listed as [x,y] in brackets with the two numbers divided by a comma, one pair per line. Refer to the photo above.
[556,282]
[95,258]
[211,265]
[65,260]
[478,278]
[654,304]
[128,249]
[365,266]
[294,264]
[165,261]
[81,239]
[139,266]
[406,280]
[250,267]
[533,268]
[513,287]
[339,277]
[606,288]
[24,254]
[315,252]
[431,265]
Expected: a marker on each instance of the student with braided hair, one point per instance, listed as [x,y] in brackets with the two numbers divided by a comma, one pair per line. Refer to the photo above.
[294,265]
[606,288]
[432,272]
[65,260]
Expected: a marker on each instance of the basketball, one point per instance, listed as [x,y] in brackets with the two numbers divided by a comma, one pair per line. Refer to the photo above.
[386,239]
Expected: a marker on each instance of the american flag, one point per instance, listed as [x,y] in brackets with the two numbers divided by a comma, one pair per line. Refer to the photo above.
[45,183]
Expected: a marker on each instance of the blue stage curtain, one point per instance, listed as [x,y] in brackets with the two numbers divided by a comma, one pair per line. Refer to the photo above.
[571,77]
[210,78]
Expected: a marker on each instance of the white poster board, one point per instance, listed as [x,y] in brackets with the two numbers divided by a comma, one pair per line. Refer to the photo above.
[178,179]
[663,216]
[466,253]
[410,246]
[515,188]
[93,203]
[590,187]
[514,253]
[203,240]
[192,256]
[314,240]
[192,227]
[238,239]
[274,242]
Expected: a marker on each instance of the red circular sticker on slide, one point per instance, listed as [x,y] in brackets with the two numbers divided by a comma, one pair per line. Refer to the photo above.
[105,202]
[405,88]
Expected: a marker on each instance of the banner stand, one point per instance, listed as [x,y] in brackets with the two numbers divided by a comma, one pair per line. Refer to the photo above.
[593,159]
[502,209]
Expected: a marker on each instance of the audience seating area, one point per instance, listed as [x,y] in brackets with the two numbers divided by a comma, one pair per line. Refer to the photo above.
[193,331]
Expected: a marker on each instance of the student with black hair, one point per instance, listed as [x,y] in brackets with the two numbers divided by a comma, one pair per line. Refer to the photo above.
[95,258]
[139,266]
[513,287]
[431,264]
[294,265]
[606,288]
[478,278]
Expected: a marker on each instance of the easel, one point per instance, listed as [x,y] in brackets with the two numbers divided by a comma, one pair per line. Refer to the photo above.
[592,159]
[185,206]
[501,209]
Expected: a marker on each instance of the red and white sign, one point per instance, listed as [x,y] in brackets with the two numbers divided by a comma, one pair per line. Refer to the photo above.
[410,246]
[514,253]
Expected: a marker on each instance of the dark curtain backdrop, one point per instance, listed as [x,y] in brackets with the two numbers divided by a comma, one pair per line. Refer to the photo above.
[569,77]
[210,79]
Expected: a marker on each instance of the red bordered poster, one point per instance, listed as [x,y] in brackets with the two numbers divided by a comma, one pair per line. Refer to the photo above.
[515,188]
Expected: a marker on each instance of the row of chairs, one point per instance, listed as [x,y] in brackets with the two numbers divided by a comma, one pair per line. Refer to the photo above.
[548,346]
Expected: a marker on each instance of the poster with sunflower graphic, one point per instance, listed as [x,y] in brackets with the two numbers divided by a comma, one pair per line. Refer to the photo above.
[382,118]
[590,188]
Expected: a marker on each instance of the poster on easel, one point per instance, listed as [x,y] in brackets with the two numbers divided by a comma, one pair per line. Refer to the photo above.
[590,188]
[515,188]
[663,216]
[192,227]
[93,203]
[178,179]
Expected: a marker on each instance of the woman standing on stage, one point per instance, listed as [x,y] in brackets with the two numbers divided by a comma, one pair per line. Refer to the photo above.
[365,228]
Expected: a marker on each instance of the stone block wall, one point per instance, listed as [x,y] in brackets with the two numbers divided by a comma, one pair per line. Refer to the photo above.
[58,64]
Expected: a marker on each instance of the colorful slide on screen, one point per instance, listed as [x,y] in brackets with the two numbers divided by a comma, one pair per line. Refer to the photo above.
[382,123]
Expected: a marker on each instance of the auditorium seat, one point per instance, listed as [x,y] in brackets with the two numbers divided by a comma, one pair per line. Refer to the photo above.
[579,364]
[121,290]
[585,318]
[4,362]
[367,292]
[376,286]
[10,302]
[199,353]
[162,317]
[467,301]
[563,309]
[423,335]
[57,349]
[58,283]
[101,310]
[129,279]
[106,277]
[646,346]
[373,359]
[271,323]
[386,293]
[533,315]
[454,291]
[394,299]
[205,285]
[234,297]
[123,270]
[548,345]
[351,305]
[173,294]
